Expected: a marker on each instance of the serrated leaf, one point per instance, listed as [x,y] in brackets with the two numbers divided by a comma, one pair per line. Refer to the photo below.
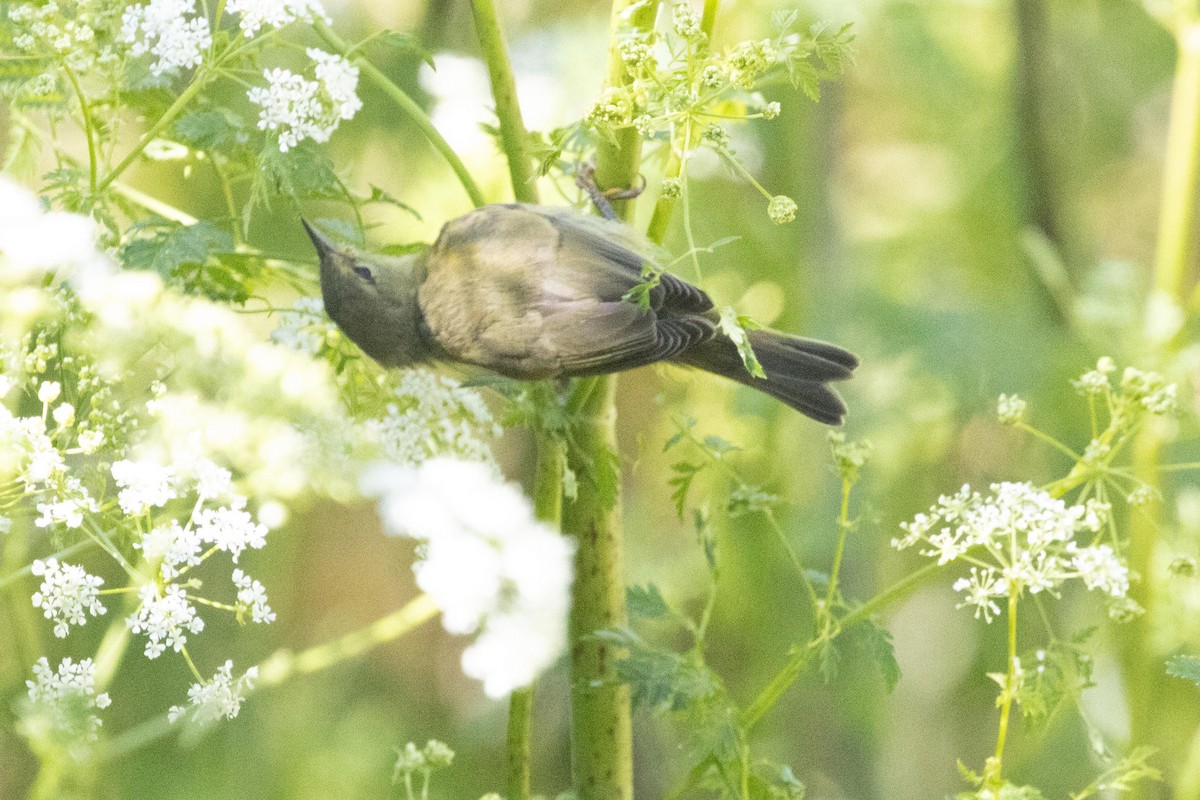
[303,172]
[1186,667]
[210,129]
[685,473]
[879,644]
[646,602]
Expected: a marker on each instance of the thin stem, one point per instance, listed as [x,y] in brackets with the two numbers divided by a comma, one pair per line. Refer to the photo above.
[839,551]
[89,129]
[409,107]
[513,135]
[285,664]
[801,656]
[27,570]
[1007,694]
[189,93]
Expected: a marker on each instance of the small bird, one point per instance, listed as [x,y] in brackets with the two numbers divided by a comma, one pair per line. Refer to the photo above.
[535,292]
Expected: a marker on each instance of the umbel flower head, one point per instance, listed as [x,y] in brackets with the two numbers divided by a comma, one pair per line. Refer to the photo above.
[1018,539]
[295,108]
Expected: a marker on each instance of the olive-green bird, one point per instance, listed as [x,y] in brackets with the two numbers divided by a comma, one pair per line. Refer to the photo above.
[536,292]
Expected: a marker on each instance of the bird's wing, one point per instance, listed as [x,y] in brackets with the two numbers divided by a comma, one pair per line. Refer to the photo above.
[531,292]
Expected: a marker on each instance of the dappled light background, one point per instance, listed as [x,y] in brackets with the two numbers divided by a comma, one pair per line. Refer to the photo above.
[978,204]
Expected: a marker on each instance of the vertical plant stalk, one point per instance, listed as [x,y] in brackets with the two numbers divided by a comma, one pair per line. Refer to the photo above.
[548,478]
[513,135]
[601,717]
[409,106]
[1181,168]
[994,772]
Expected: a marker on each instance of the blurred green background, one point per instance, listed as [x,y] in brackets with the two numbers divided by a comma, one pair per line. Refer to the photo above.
[971,149]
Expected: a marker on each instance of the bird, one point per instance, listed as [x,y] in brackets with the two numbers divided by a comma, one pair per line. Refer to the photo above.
[542,292]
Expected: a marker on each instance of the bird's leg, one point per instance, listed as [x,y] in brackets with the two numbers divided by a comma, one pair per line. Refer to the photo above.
[585,178]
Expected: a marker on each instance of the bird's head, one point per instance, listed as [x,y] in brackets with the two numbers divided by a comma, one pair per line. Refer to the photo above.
[372,298]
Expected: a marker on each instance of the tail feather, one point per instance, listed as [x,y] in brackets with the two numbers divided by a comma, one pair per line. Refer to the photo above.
[797,370]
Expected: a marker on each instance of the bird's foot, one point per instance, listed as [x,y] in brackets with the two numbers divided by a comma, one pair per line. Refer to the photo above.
[602,199]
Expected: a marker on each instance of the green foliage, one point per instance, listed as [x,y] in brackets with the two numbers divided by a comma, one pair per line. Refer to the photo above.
[198,258]
[1186,667]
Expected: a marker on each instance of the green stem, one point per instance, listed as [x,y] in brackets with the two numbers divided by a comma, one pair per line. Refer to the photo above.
[601,717]
[89,128]
[408,106]
[1181,168]
[513,135]
[799,659]
[174,110]
[839,551]
[1007,694]
[285,664]
[65,553]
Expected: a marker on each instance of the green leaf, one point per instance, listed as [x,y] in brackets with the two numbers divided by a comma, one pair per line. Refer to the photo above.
[735,327]
[685,473]
[879,643]
[407,43]
[662,679]
[646,602]
[1186,667]
[749,499]
[214,129]
[303,172]
[199,259]
[381,196]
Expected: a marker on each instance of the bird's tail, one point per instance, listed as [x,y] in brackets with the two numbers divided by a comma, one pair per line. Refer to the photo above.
[797,370]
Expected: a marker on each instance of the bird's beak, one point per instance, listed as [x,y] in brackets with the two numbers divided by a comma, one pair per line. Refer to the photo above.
[320,241]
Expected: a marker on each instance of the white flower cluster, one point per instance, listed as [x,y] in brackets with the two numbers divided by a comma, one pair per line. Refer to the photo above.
[170,31]
[67,594]
[305,327]
[296,108]
[488,564]
[218,698]
[1019,539]
[274,14]
[63,700]
[433,415]
[40,27]
[166,619]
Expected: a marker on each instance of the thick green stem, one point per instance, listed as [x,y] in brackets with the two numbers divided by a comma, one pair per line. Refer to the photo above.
[1181,169]
[513,135]
[601,723]
[408,106]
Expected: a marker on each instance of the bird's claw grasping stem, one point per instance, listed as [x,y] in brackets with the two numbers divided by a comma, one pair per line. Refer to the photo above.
[585,178]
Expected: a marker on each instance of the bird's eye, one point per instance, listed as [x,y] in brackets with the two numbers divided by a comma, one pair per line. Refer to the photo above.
[365,274]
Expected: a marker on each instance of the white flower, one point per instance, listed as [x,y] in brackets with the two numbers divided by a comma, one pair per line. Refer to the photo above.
[230,529]
[1010,409]
[274,13]
[305,327]
[253,597]
[67,594]
[69,511]
[34,242]
[49,391]
[298,109]
[221,697]
[167,30]
[980,591]
[1100,569]
[176,546]
[145,485]
[90,441]
[64,699]
[64,415]
[165,620]
[487,563]
[1027,538]
[433,416]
